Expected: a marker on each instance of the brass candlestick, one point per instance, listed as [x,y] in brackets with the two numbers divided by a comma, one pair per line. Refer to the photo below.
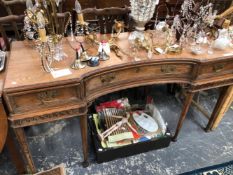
[78,64]
[43,28]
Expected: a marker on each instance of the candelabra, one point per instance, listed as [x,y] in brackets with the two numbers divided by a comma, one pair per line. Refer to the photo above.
[43,28]
[194,22]
[81,28]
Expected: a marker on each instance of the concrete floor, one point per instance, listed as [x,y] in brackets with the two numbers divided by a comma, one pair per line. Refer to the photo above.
[59,142]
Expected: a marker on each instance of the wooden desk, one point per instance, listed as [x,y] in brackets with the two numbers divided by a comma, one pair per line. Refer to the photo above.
[34,96]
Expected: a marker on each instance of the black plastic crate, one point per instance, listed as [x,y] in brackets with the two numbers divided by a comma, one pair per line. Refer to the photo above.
[108,154]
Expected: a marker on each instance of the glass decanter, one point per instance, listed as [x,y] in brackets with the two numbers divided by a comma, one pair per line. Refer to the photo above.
[223,41]
[59,53]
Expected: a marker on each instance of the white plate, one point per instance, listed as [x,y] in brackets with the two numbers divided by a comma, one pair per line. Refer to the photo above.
[145,121]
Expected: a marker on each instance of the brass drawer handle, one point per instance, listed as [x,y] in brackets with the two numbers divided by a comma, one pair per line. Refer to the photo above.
[105,79]
[218,67]
[167,69]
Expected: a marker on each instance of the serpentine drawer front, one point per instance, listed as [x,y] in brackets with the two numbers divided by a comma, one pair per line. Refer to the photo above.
[28,101]
[214,69]
[129,74]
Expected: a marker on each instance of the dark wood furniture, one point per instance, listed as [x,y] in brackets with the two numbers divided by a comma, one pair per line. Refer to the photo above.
[34,96]
[104,18]
[5,20]
[17,7]
[10,7]
[174,5]
[63,22]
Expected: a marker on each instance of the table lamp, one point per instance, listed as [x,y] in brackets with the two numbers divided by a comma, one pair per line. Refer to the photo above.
[141,11]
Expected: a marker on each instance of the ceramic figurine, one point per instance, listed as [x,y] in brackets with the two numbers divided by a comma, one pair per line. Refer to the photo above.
[94,61]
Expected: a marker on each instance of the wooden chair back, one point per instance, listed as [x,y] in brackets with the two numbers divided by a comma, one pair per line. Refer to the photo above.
[8,19]
[162,13]
[105,17]
[63,22]
[9,5]
[12,8]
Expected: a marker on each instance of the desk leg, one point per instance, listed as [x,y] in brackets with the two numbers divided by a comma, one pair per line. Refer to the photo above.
[20,135]
[14,154]
[220,108]
[187,103]
[83,126]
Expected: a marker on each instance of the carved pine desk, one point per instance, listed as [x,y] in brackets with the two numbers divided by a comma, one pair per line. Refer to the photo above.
[34,96]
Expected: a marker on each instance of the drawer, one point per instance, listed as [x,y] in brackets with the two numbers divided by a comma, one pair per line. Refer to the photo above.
[32,100]
[136,74]
[217,68]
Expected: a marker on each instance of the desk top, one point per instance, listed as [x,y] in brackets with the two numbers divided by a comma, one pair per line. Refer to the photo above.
[25,70]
